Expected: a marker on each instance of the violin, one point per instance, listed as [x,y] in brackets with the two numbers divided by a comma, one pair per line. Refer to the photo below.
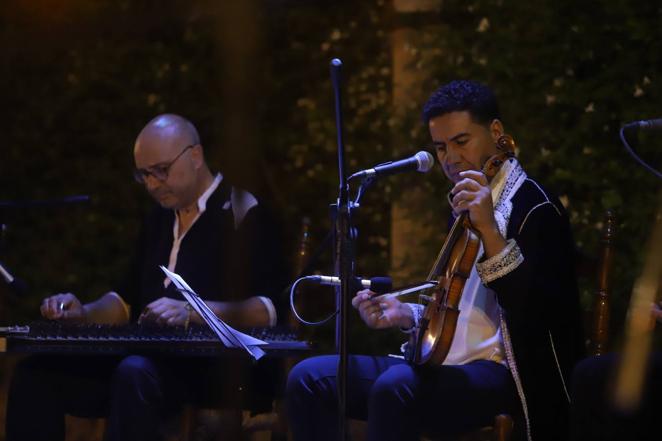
[432,338]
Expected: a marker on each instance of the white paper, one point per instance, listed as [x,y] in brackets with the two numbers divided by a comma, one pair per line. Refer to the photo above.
[229,336]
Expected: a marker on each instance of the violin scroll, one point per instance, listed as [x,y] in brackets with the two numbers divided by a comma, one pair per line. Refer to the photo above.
[505,145]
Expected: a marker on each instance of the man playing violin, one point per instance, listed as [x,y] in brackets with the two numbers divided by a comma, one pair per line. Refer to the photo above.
[204,229]
[518,332]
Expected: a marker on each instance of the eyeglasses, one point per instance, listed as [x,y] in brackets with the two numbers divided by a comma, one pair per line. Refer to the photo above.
[158,172]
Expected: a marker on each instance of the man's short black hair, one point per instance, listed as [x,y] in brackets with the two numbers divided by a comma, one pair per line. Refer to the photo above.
[463,95]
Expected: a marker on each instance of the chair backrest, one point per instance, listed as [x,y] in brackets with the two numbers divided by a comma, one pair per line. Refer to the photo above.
[599,337]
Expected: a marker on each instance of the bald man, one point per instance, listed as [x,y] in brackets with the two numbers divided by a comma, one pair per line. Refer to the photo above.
[205,230]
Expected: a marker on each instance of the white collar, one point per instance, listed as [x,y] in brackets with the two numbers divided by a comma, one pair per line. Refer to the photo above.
[202,200]
[505,184]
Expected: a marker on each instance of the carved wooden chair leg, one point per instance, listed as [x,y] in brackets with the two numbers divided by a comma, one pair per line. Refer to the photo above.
[503,428]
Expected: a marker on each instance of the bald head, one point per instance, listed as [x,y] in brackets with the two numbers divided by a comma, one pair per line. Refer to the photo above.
[167,132]
[171,142]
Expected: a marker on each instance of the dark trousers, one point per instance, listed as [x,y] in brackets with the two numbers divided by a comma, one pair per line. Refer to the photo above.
[398,401]
[139,395]
[593,417]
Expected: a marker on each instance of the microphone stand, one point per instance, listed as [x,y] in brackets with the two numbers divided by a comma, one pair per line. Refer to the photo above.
[344,256]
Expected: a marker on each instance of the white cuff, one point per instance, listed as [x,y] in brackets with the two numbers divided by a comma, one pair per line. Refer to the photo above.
[500,264]
[417,313]
[271,310]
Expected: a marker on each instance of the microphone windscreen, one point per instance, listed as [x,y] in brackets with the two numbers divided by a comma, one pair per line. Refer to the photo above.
[381,285]
[645,124]
[425,161]
[651,124]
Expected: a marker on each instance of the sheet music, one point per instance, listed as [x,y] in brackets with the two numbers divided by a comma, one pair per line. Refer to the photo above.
[229,336]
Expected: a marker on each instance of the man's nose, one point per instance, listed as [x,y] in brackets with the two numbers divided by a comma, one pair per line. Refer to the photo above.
[452,155]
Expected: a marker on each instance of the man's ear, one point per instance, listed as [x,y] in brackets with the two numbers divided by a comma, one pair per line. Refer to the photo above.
[496,129]
[198,156]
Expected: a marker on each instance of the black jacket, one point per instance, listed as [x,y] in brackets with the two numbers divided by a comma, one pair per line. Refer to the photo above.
[541,311]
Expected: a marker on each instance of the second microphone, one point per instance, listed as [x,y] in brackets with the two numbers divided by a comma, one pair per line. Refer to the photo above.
[380,285]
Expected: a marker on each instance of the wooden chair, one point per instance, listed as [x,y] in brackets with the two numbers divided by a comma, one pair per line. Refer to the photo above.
[599,332]
[501,430]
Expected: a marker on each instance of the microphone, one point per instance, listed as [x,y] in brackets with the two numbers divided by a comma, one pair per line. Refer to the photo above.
[380,285]
[646,124]
[421,162]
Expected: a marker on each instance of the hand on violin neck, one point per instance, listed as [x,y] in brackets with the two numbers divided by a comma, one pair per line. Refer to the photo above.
[472,194]
[381,313]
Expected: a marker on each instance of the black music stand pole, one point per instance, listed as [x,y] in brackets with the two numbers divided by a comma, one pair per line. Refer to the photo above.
[344,258]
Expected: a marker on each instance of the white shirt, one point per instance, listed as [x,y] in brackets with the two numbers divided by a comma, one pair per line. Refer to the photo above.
[478,330]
